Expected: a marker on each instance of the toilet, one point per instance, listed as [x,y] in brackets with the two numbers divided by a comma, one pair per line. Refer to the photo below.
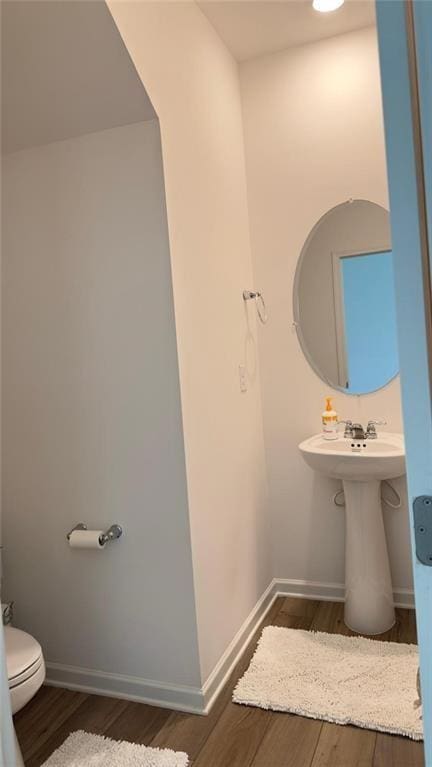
[25,666]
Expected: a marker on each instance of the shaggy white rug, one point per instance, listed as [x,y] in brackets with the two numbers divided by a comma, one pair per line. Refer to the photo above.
[347,680]
[81,749]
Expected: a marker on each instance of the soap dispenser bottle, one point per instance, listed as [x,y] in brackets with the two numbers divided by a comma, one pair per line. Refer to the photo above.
[330,421]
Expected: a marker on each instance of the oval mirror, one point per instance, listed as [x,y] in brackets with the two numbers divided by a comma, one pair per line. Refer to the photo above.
[344,306]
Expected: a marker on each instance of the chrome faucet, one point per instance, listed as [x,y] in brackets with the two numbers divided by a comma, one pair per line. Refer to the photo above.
[356,431]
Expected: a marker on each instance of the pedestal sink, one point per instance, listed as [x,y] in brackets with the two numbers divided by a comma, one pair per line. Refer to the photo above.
[361,465]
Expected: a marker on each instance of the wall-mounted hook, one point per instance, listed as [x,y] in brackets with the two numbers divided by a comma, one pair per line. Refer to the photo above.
[259,303]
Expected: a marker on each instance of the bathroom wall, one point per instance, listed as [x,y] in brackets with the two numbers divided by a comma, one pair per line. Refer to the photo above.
[313,139]
[94,428]
[193,83]
[92,390]
[92,419]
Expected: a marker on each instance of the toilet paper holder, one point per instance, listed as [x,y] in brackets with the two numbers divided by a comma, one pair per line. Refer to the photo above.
[115,531]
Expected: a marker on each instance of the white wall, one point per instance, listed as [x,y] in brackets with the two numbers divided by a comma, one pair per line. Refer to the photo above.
[313,138]
[193,83]
[92,421]
[87,430]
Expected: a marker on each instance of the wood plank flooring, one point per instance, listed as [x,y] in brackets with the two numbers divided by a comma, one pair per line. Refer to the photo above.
[231,735]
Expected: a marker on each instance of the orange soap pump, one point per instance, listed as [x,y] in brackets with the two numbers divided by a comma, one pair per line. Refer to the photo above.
[330,421]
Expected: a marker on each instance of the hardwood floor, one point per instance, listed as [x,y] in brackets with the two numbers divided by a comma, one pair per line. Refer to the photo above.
[231,735]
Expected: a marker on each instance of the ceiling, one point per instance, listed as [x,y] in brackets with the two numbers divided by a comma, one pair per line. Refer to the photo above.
[54,85]
[65,73]
[251,28]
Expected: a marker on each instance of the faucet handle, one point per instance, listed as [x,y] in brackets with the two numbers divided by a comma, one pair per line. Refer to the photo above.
[371,431]
[358,431]
[348,432]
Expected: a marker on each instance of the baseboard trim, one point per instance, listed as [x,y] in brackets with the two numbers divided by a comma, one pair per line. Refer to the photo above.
[236,648]
[192,700]
[176,697]
[196,700]
[331,592]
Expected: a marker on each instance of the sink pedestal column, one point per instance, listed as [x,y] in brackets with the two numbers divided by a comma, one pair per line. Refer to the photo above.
[369,605]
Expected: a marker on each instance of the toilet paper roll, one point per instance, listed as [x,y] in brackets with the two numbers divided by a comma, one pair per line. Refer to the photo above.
[85,539]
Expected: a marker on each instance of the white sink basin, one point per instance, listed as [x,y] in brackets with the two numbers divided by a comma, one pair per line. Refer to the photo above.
[361,465]
[381,458]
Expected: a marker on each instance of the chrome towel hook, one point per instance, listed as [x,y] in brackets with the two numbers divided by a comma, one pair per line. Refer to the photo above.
[249,295]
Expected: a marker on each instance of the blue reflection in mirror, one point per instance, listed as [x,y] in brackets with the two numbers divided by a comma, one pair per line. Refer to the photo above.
[370,353]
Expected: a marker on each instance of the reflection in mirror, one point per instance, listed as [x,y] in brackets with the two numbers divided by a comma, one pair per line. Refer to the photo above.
[344,298]
[365,329]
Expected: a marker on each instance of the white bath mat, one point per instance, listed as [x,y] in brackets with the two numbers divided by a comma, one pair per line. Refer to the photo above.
[81,749]
[347,680]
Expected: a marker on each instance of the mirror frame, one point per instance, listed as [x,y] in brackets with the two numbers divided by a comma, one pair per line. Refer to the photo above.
[296,304]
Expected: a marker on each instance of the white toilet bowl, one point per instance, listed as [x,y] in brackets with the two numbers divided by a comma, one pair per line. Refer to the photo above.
[25,666]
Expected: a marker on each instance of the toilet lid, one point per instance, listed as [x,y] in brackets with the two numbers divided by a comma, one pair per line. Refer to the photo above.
[22,652]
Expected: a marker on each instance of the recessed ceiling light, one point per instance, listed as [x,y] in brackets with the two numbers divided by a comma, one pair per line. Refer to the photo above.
[324,6]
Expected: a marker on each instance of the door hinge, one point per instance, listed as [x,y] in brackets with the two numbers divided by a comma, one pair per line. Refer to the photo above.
[422,508]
